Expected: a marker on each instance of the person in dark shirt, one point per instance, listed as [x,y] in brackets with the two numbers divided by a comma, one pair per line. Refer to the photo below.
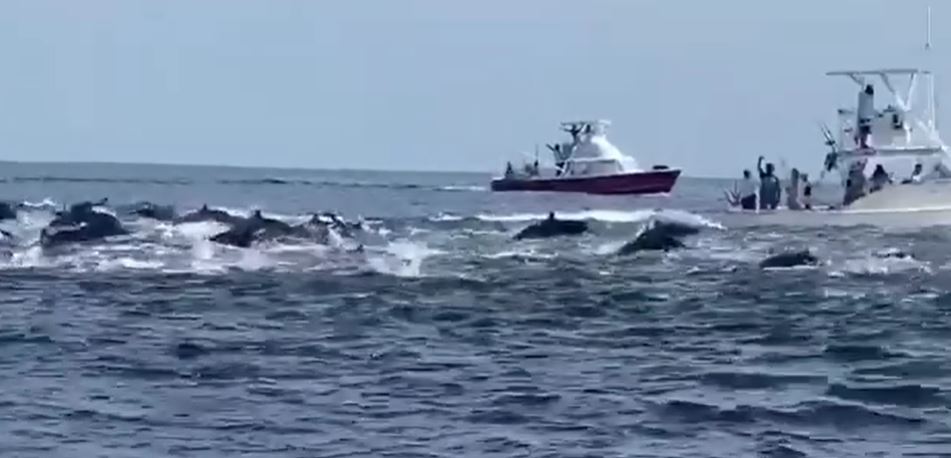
[806,192]
[769,187]
[880,178]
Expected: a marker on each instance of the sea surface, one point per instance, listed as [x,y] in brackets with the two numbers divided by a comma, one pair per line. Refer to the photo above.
[447,338]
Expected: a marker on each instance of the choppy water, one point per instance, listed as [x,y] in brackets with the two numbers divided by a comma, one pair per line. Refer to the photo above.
[447,338]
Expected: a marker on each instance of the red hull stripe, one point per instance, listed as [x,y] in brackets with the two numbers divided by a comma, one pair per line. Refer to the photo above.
[652,182]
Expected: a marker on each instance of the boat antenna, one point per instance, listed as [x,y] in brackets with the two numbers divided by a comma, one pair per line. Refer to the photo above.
[931,86]
[928,36]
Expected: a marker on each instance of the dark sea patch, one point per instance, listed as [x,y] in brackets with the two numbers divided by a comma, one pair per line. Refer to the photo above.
[906,395]
[757,380]
[102,180]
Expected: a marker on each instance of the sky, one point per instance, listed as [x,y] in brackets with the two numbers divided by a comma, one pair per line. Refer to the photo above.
[440,85]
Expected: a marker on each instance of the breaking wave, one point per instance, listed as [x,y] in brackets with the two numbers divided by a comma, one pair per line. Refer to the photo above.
[608,216]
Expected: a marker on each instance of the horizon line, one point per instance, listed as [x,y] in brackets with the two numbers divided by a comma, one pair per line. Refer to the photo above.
[280,168]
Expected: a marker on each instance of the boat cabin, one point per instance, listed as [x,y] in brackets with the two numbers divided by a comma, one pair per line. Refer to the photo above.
[587,153]
[898,137]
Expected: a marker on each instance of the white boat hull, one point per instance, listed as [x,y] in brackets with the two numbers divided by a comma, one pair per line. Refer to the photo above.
[897,219]
[933,194]
[896,206]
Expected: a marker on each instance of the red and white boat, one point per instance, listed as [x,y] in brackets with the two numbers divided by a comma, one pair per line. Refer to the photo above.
[590,164]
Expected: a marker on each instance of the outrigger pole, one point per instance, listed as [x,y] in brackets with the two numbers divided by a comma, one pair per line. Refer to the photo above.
[933,91]
[928,37]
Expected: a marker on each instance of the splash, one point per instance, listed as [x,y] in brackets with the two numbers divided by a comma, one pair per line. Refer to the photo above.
[46,204]
[401,258]
[687,218]
[193,232]
[122,263]
[608,248]
[464,188]
[446,217]
[612,216]
[30,258]
[877,266]
[203,250]
[252,259]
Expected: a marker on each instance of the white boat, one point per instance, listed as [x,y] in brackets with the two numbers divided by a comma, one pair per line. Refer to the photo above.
[898,137]
[590,164]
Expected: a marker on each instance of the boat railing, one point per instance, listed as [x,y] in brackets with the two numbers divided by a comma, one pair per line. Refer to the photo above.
[899,151]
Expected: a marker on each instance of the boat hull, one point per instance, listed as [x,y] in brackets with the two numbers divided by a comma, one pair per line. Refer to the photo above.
[885,219]
[897,206]
[648,182]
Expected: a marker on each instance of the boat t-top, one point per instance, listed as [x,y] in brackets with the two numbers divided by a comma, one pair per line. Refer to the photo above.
[892,164]
[893,158]
[588,163]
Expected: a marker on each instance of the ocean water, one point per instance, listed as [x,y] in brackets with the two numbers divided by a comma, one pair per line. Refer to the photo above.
[448,338]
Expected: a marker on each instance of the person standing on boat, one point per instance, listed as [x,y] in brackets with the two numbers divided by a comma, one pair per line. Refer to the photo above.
[769,188]
[806,192]
[747,191]
[792,191]
[855,184]
[880,178]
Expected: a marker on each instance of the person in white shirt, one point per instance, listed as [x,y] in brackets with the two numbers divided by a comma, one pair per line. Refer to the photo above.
[747,192]
[915,175]
[792,191]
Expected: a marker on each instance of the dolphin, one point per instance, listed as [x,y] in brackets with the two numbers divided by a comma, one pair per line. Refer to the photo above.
[675,229]
[790,259]
[659,235]
[552,227]
[77,213]
[81,223]
[321,222]
[153,211]
[7,211]
[651,239]
[30,206]
[258,228]
[204,214]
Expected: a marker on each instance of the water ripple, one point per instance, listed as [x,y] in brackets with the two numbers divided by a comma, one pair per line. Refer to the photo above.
[481,347]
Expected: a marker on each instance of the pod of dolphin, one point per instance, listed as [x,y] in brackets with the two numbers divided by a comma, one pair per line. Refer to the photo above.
[84,222]
[656,235]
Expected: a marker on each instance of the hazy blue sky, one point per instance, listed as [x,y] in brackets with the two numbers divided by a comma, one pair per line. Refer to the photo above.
[437,84]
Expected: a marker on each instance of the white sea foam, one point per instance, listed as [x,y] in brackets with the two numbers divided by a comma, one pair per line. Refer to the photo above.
[611,216]
[401,258]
